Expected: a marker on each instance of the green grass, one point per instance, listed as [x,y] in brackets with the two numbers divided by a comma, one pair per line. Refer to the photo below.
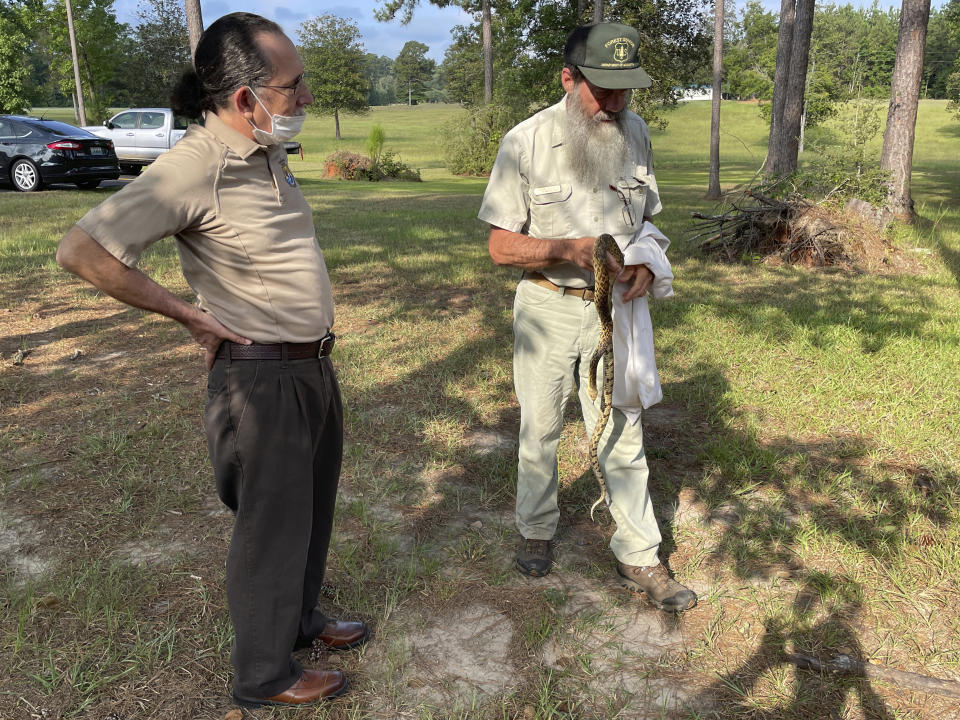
[812,432]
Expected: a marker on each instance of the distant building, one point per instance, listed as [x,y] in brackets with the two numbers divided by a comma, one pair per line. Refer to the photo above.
[701,92]
[695,92]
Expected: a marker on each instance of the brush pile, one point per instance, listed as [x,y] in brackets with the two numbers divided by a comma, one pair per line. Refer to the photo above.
[764,221]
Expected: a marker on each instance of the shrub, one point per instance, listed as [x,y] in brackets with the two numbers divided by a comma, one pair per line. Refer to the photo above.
[472,141]
[390,167]
[348,165]
[353,166]
[375,141]
[842,167]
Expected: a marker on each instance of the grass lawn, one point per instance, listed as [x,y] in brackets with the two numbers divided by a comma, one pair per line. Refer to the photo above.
[804,468]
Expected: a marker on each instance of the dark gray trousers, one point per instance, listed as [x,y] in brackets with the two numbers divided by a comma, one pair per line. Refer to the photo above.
[275,433]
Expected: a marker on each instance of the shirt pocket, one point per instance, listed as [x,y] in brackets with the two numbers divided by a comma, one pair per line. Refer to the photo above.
[550,209]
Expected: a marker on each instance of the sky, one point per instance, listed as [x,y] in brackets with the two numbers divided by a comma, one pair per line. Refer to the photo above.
[430,25]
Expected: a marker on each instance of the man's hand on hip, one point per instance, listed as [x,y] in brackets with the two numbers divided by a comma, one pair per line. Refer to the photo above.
[210,333]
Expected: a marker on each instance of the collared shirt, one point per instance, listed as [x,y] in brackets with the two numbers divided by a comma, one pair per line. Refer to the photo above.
[533,191]
[244,232]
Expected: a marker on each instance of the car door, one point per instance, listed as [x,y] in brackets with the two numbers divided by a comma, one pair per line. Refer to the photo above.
[7,140]
[152,134]
[124,134]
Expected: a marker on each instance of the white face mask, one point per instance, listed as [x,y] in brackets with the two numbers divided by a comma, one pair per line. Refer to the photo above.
[283,127]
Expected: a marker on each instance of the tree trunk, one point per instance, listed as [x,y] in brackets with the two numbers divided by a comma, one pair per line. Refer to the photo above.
[194,23]
[85,62]
[713,188]
[796,84]
[897,155]
[487,33]
[336,122]
[784,42]
[598,11]
[76,65]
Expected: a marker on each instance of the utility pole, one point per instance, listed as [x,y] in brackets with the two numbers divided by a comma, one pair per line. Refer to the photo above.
[76,65]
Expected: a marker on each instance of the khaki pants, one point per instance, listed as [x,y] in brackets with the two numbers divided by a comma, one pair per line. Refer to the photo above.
[554,337]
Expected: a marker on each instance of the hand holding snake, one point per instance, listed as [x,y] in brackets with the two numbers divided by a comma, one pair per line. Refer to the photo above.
[603,298]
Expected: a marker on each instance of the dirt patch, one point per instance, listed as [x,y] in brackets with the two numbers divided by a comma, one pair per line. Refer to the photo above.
[152,552]
[487,442]
[460,654]
[19,539]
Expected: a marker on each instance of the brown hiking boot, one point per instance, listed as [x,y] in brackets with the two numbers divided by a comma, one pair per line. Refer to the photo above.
[535,557]
[662,591]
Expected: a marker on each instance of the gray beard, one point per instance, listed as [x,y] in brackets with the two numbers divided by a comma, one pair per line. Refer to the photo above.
[595,149]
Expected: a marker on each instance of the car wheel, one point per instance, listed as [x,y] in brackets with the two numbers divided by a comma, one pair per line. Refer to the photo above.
[130,169]
[88,184]
[25,176]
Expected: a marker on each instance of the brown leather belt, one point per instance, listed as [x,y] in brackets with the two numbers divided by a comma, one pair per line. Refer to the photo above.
[275,351]
[538,279]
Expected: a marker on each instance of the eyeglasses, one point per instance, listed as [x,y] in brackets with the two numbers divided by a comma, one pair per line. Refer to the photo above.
[600,94]
[627,200]
[299,83]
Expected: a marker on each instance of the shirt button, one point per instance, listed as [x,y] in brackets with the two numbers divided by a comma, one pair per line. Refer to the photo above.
[596,190]
[595,218]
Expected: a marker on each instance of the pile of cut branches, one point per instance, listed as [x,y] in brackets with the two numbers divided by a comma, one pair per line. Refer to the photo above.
[773,220]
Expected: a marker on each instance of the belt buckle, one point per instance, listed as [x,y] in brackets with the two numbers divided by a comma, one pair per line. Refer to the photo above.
[326,344]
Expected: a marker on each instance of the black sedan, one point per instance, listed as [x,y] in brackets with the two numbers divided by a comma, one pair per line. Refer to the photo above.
[34,152]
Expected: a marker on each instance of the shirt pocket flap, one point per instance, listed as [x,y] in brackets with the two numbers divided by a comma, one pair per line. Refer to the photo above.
[551,193]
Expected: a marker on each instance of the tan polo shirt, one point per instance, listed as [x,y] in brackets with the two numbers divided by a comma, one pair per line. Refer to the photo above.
[244,232]
[533,191]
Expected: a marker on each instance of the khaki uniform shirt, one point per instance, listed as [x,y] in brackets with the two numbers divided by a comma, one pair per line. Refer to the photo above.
[533,191]
[244,232]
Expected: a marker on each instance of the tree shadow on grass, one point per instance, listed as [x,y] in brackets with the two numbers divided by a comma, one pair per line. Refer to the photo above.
[396,267]
[951,258]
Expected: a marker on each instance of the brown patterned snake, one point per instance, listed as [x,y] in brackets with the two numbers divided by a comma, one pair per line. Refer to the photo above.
[603,298]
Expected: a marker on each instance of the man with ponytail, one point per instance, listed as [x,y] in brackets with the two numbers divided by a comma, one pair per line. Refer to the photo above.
[263,315]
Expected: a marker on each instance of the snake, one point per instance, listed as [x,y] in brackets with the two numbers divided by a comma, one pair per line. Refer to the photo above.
[603,299]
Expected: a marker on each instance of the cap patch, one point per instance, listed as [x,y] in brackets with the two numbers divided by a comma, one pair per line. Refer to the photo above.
[622,49]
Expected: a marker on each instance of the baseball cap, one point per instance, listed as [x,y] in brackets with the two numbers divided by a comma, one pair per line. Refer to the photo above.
[606,54]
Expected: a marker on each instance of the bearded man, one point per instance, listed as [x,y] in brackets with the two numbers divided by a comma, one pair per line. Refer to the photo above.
[573,171]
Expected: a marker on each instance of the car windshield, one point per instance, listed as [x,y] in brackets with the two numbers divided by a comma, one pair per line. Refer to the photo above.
[56,128]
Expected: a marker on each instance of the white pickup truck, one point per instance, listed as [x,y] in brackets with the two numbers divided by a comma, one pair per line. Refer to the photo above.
[141,134]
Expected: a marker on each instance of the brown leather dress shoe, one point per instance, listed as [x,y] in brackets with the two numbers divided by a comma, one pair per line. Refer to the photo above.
[342,635]
[313,686]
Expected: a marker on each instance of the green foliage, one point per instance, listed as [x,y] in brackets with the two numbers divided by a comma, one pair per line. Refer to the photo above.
[379,71]
[390,167]
[334,60]
[948,21]
[160,33]
[472,140]
[375,141]
[412,71]
[102,50]
[953,92]
[844,165]
[462,67]
[942,56]
[14,45]
[378,164]
[750,59]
